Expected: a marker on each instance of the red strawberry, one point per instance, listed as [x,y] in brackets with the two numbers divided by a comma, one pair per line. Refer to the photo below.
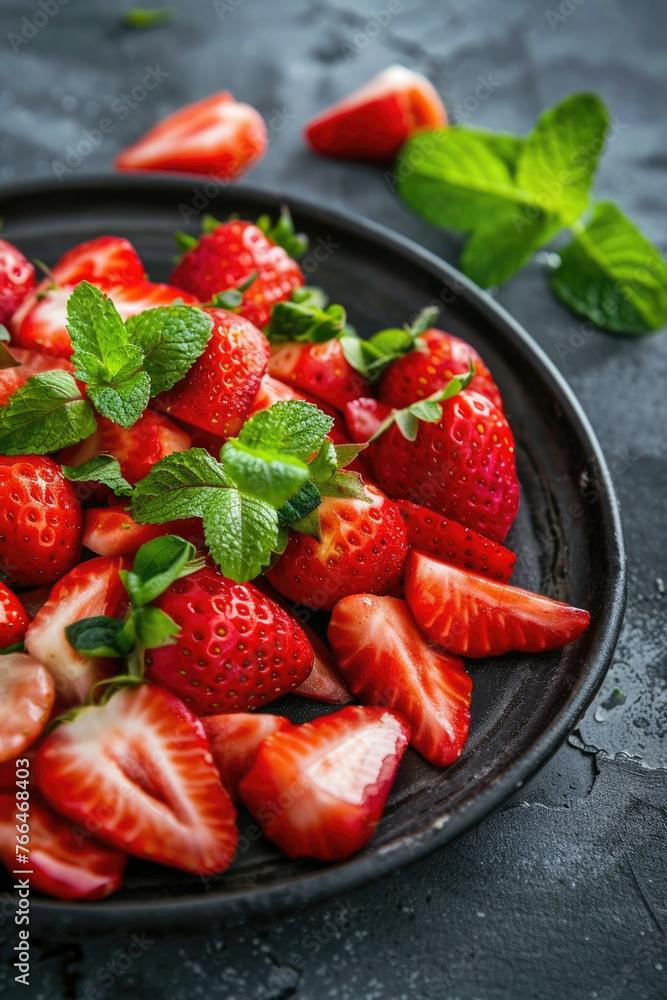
[271,391]
[236,650]
[227,256]
[373,122]
[234,739]
[26,699]
[436,358]
[64,862]
[14,618]
[40,520]
[17,277]
[362,551]
[319,789]
[473,616]
[216,135]
[463,466]
[112,531]
[31,363]
[217,392]
[386,660]
[363,417]
[319,369]
[137,449]
[92,588]
[451,542]
[137,772]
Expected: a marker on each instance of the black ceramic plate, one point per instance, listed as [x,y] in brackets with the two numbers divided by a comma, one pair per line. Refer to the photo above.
[567,538]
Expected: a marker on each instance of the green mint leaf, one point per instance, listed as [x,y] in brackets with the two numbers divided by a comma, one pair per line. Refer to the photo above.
[559,157]
[180,485]
[242,533]
[305,323]
[613,275]
[274,476]
[325,463]
[506,242]
[157,565]
[100,469]
[154,628]
[148,17]
[171,338]
[44,415]
[99,636]
[7,359]
[96,329]
[345,484]
[310,525]
[346,453]
[282,233]
[124,403]
[292,426]
[300,506]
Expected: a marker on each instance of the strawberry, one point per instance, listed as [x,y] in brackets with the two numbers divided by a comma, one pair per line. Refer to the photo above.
[227,256]
[26,699]
[217,392]
[319,369]
[90,589]
[40,520]
[17,277]
[112,531]
[64,862]
[234,739]
[236,650]
[373,122]
[271,391]
[436,357]
[137,772]
[14,618]
[463,466]
[386,660]
[474,616]
[216,135]
[453,543]
[319,789]
[31,363]
[362,550]
[137,450]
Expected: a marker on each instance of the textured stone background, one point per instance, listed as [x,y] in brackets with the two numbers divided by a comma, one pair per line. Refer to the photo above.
[563,893]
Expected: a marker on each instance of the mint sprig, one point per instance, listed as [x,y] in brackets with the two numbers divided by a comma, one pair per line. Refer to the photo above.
[45,414]
[102,469]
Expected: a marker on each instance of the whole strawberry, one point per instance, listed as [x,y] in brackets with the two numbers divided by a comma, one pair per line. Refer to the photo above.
[236,650]
[17,277]
[227,256]
[40,521]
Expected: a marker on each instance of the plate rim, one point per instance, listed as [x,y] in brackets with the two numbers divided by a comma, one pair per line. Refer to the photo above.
[321,884]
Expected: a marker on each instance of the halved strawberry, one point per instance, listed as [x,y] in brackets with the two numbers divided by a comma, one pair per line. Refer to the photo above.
[217,392]
[473,616]
[112,531]
[451,542]
[386,660]
[234,739]
[109,258]
[14,618]
[64,862]
[272,390]
[216,135]
[92,588]
[319,789]
[319,369]
[17,277]
[26,699]
[138,773]
[373,122]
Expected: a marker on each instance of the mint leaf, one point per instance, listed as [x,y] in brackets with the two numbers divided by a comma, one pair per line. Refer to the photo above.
[100,636]
[505,243]
[293,426]
[614,275]
[299,506]
[171,338]
[157,565]
[559,157]
[100,469]
[305,323]
[180,485]
[153,627]
[124,402]
[95,327]
[242,533]
[282,233]
[45,414]
[274,476]
[7,359]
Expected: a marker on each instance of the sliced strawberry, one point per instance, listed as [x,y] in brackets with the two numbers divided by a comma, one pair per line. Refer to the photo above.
[112,531]
[217,392]
[451,542]
[14,618]
[26,699]
[106,258]
[236,649]
[137,772]
[64,862]
[8,767]
[41,520]
[319,789]
[473,616]
[17,277]
[272,390]
[373,122]
[386,660]
[216,135]
[319,369]
[234,740]
[92,588]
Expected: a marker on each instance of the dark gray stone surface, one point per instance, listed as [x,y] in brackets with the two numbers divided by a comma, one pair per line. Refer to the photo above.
[563,893]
